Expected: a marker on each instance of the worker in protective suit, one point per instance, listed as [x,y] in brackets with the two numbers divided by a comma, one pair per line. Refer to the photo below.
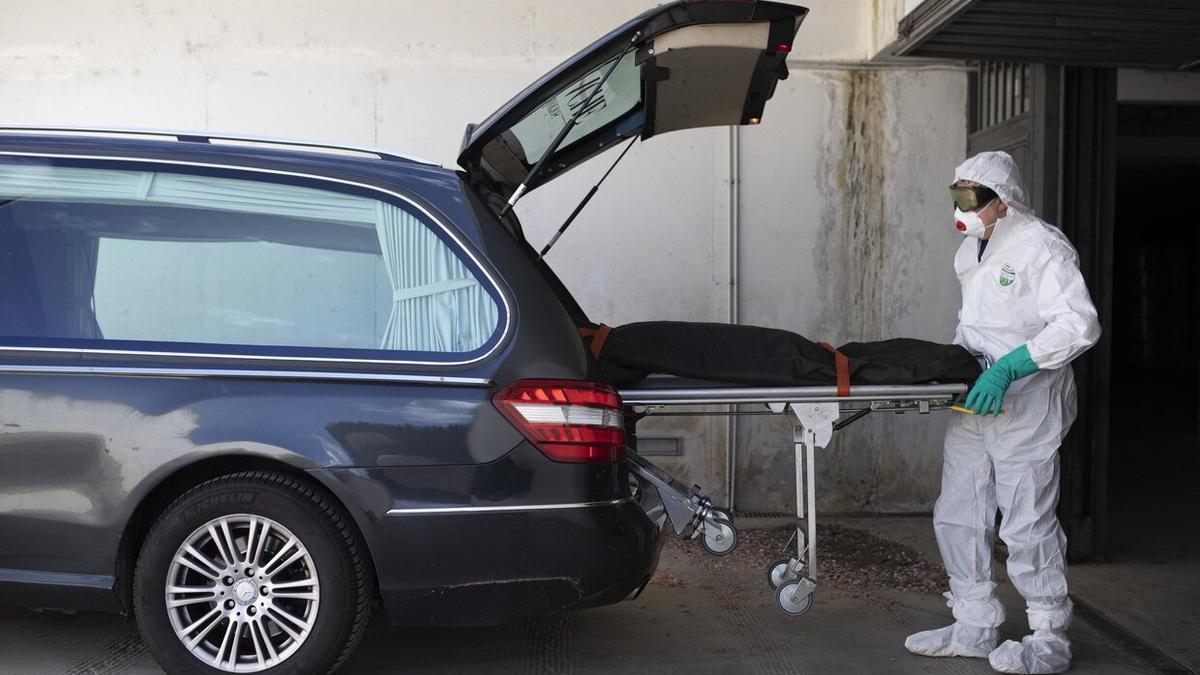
[1026,307]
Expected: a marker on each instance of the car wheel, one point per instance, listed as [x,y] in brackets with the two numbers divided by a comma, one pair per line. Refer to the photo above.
[252,572]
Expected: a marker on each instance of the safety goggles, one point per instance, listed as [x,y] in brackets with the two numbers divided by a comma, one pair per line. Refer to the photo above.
[969,198]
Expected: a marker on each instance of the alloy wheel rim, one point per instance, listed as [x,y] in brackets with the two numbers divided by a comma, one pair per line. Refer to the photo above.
[242,593]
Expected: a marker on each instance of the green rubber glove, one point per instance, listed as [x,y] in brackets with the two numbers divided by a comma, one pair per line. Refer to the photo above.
[987,395]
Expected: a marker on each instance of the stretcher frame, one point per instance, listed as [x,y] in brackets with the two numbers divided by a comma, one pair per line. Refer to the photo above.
[816,413]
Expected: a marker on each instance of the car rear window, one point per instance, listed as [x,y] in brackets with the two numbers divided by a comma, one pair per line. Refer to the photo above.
[620,94]
[512,153]
[110,255]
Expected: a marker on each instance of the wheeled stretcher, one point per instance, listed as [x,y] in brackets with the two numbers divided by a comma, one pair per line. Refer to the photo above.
[815,413]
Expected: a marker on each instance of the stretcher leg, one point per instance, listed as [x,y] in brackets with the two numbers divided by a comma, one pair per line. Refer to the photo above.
[796,578]
[690,512]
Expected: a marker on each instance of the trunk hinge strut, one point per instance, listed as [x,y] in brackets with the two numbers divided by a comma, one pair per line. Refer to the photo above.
[587,198]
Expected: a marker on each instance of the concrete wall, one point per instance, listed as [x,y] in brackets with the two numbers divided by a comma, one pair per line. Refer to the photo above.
[836,199]
[888,14]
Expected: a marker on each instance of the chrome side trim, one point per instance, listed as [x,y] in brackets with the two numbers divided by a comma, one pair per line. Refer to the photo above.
[249,374]
[445,510]
[462,248]
[56,578]
[205,136]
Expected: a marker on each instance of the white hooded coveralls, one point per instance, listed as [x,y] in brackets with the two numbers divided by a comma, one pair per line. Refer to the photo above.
[1026,289]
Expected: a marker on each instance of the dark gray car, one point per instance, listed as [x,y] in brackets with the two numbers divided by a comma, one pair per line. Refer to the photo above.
[247,389]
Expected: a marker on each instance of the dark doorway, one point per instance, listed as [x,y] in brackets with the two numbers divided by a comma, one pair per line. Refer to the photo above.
[1154,455]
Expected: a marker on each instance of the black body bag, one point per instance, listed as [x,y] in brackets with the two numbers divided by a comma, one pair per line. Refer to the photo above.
[755,356]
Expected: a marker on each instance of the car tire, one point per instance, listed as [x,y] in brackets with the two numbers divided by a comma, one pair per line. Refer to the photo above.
[274,564]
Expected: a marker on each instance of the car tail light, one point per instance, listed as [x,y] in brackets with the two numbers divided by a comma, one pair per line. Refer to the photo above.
[568,420]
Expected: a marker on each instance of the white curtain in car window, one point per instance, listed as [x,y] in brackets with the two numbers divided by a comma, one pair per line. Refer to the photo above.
[226,194]
[249,196]
[437,304]
[38,181]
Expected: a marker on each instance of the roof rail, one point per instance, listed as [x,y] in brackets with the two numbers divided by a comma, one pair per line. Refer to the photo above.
[209,137]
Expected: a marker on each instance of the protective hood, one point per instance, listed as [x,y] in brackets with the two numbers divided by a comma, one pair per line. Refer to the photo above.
[998,171]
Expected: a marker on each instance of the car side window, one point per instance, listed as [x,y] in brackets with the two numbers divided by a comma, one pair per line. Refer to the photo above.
[117,256]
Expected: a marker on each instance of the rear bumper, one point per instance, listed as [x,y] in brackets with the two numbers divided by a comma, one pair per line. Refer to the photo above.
[490,543]
[487,568]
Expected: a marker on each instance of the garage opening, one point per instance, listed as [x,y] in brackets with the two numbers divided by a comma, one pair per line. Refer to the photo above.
[1154,457]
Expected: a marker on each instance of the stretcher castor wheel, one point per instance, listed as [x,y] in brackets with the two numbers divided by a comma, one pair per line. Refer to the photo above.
[777,573]
[785,596]
[720,537]
[721,514]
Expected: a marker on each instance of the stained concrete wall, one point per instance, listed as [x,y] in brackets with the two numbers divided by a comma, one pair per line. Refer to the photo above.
[836,199]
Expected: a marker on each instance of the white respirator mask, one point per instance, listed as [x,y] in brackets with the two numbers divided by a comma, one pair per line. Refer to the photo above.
[969,223]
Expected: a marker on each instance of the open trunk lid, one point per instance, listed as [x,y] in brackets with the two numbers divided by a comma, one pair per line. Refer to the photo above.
[681,65]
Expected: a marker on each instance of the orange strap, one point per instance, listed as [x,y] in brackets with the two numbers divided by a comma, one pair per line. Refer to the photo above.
[842,364]
[598,335]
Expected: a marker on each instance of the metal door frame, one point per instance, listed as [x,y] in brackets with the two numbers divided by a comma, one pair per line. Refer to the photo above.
[1089,179]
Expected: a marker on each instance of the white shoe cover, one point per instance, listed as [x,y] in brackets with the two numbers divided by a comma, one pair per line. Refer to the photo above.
[957,639]
[1043,652]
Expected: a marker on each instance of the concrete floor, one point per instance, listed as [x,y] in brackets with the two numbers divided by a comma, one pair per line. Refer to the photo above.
[700,615]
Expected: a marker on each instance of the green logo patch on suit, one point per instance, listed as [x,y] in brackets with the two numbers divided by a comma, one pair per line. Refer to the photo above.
[1008,275]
